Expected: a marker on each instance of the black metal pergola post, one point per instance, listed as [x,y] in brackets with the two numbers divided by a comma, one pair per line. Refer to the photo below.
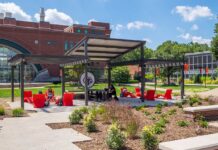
[155,78]
[22,84]
[62,81]
[12,83]
[142,73]
[109,76]
[86,73]
[182,82]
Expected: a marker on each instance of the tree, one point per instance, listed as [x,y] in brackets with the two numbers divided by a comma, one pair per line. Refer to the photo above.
[120,74]
[214,42]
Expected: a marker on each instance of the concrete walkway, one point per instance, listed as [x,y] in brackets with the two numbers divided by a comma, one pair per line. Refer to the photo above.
[32,133]
[213,92]
[206,142]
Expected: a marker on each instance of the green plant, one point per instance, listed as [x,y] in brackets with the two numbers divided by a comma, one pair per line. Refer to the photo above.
[183,123]
[158,110]
[17,112]
[120,75]
[203,123]
[138,108]
[179,105]
[172,111]
[149,140]
[153,117]
[115,138]
[2,111]
[132,128]
[147,113]
[76,116]
[89,123]
[165,104]
[83,109]
[162,122]
[157,129]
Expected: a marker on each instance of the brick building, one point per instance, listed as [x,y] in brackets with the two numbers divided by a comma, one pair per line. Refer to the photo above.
[41,38]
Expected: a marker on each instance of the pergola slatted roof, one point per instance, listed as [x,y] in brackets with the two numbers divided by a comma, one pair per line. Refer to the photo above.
[47,59]
[104,49]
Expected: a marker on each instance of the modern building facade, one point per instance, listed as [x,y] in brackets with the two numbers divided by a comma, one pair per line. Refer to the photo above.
[201,63]
[41,38]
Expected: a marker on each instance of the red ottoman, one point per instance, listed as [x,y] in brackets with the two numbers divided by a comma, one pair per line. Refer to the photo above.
[68,99]
[38,100]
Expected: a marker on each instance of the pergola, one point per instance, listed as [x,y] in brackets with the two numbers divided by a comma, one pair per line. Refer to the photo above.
[108,49]
[23,59]
[100,49]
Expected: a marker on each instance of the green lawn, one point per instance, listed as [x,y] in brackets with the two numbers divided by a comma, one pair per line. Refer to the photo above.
[6,92]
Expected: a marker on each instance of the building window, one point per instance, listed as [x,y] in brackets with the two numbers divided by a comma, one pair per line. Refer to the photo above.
[66,45]
[78,30]
[86,31]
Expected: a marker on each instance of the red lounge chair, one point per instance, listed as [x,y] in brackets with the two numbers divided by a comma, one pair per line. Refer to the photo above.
[138,92]
[28,96]
[68,99]
[150,95]
[53,98]
[38,100]
[167,95]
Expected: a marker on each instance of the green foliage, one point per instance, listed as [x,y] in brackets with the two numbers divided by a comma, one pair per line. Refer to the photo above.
[76,116]
[165,104]
[158,129]
[89,123]
[158,108]
[197,78]
[115,138]
[214,42]
[203,123]
[147,113]
[2,111]
[74,72]
[162,122]
[183,123]
[140,107]
[132,128]
[179,105]
[83,109]
[149,76]
[149,140]
[120,74]
[17,112]
[172,111]
[193,100]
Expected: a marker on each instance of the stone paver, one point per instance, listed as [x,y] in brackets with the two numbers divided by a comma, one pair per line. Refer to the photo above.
[32,133]
[206,142]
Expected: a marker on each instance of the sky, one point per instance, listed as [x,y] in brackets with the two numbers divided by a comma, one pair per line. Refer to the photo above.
[152,20]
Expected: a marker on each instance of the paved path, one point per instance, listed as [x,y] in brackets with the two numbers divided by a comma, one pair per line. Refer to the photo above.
[32,133]
[213,92]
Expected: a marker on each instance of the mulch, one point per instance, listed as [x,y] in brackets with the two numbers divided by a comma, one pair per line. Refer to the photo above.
[172,130]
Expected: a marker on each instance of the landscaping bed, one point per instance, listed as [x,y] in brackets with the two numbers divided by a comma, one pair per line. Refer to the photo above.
[177,126]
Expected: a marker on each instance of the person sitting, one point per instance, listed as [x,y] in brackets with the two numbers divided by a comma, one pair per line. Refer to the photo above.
[49,96]
[111,92]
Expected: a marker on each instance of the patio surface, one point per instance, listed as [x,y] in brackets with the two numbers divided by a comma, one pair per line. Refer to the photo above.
[32,133]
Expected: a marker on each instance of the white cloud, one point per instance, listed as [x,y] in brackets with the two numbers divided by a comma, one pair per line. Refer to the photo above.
[180,29]
[147,40]
[192,13]
[119,27]
[16,11]
[93,19]
[195,39]
[56,17]
[194,27]
[139,25]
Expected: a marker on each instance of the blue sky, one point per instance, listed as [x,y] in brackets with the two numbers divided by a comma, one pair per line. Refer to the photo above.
[152,20]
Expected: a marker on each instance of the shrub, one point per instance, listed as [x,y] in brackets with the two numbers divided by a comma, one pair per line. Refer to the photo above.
[203,123]
[172,111]
[165,104]
[153,117]
[132,128]
[179,105]
[183,123]
[89,123]
[162,122]
[2,111]
[158,110]
[83,109]
[120,75]
[115,138]
[76,116]
[149,140]
[157,129]
[138,108]
[17,112]
[147,113]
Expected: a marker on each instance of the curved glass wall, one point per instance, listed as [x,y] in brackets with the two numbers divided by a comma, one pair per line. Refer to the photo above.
[5,69]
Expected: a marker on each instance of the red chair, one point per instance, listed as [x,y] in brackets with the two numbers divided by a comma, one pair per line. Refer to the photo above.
[138,92]
[38,100]
[167,95]
[150,95]
[28,96]
[68,99]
